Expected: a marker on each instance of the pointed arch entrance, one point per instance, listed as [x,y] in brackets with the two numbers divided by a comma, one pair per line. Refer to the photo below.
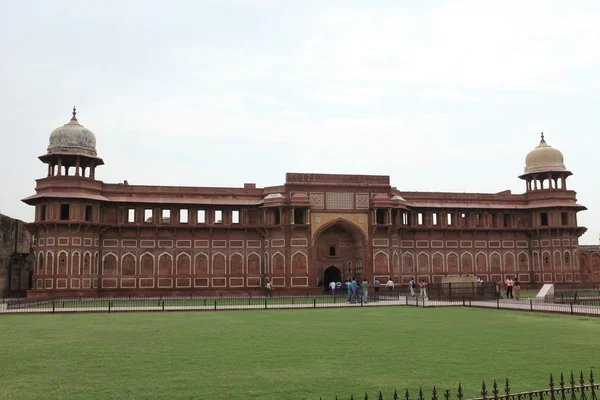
[331,274]
[339,246]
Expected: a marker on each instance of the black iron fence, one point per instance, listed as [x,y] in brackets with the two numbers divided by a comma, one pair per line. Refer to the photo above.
[471,290]
[573,389]
[583,306]
[576,294]
[191,303]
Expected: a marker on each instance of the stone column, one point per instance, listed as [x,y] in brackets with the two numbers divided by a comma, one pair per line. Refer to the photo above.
[77,166]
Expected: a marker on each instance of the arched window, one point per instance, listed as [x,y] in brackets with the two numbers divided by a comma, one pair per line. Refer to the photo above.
[332,251]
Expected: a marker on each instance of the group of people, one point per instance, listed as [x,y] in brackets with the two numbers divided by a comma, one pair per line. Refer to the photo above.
[355,290]
[510,287]
[422,288]
[337,286]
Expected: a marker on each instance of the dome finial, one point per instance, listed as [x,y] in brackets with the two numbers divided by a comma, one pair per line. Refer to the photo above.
[74,118]
[543,137]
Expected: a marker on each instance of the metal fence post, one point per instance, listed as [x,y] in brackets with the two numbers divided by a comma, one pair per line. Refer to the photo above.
[531,305]
[571,308]
[314,303]
[53,307]
[163,305]
[265,303]
[469,302]
[215,305]
[109,304]
[498,303]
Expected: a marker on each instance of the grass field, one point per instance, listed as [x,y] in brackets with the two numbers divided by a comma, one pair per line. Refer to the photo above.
[291,354]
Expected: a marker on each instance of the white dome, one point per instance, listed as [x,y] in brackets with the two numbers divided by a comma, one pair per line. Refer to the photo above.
[544,158]
[72,138]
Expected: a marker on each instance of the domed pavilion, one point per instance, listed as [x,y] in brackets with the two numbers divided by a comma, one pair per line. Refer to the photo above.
[72,146]
[545,168]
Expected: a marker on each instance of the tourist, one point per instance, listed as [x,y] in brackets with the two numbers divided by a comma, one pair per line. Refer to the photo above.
[332,287]
[509,287]
[376,286]
[517,289]
[269,288]
[354,287]
[412,285]
[338,286]
[422,289]
[349,287]
[390,285]
[365,290]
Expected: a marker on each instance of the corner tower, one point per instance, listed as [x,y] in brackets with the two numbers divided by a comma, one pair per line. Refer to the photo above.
[554,231]
[67,224]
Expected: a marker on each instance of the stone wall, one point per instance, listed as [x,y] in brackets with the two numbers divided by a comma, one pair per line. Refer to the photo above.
[16,260]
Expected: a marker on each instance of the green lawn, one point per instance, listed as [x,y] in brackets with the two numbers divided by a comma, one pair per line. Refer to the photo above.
[285,354]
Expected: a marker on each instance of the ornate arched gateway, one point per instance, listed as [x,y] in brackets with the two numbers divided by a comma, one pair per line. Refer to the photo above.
[339,245]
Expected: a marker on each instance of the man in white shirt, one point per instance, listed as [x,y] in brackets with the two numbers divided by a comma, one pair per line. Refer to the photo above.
[332,287]
[390,285]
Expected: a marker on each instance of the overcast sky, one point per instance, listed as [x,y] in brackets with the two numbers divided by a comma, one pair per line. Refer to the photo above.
[440,95]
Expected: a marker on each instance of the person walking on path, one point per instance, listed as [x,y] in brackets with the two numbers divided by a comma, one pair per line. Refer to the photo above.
[412,285]
[354,290]
[390,285]
[509,287]
[376,284]
[349,287]
[365,290]
[517,289]
[422,289]
[332,287]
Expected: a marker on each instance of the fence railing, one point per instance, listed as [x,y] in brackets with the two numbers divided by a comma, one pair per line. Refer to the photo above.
[584,307]
[574,389]
[191,303]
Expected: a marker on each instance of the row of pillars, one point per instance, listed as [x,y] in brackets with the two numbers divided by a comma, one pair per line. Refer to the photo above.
[60,170]
[553,183]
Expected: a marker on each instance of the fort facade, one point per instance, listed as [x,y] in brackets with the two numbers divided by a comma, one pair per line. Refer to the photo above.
[92,238]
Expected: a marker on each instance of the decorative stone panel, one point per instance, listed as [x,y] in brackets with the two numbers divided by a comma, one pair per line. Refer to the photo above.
[340,201]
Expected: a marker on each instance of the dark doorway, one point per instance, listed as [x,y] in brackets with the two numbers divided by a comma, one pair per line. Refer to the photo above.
[331,274]
[30,280]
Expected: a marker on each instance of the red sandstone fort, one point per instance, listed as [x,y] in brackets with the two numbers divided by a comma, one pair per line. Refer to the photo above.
[92,238]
